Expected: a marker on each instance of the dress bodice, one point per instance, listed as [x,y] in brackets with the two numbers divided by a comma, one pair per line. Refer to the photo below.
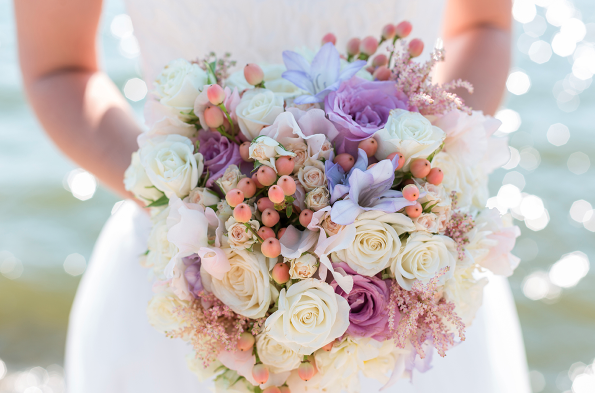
[259,30]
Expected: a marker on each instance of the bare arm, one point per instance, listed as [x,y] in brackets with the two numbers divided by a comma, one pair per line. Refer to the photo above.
[477,40]
[79,107]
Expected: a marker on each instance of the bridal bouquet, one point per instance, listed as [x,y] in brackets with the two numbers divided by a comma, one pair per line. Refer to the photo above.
[319,220]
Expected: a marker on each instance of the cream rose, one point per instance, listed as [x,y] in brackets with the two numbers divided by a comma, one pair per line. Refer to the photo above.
[467,181]
[466,292]
[245,288]
[376,243]
[427,222]
[162,311]
[137,182]
[179,84]
[410,134]
[276,356]
[257,109]
[311,174]
[224,211]
[264,150]
[240,237]
[422,257]
[317,199]
[230,178]
[303,267]
[310,315]
[330,227]
[161,250]
[171,164]
[203,196]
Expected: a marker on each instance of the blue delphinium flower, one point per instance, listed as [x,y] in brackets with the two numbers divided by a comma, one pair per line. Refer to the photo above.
[322,76]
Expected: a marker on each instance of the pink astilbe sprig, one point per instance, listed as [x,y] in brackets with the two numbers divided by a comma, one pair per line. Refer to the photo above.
[222,65]
[425,314]
[212,327]
[415,80]
[458,226]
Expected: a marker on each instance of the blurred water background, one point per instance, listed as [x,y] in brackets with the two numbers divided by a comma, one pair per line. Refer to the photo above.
[51,211]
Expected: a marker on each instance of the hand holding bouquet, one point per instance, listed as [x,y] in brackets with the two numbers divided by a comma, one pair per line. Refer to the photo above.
[318,219]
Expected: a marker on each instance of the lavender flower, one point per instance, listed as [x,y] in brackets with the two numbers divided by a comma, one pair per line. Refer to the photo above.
[322,76]
[368,303]
[336,177]
[369,190]
[192,274]
[218,153]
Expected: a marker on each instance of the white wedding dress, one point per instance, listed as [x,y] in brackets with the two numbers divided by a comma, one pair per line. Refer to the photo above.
[111,347]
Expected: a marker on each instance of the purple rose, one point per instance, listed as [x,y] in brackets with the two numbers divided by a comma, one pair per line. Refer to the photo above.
[218,152]
[192,274]
[368,301]
[360,108]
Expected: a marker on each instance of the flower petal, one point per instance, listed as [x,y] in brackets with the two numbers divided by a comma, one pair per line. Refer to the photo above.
[300,79]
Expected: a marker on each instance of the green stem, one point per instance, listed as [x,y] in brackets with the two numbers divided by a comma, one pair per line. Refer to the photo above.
[254,232]
[392,52]
[224,109]
[225,134]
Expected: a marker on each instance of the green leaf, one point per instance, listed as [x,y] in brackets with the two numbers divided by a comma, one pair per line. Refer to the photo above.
[214,207]
[146,252]
[159,202]
[438,150]
[289,210]
[289,199]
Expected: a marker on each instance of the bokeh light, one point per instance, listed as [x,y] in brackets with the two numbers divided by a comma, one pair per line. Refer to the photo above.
[569,270]
[80,183]
[559,11]
[135,89]
[578,163]
[581,211]
[515,158]
[540,52]
[530,159]
[518,83]
[515,178]
[121,26]
[511,120]
[558,134]
[10,266]
[524,11]
[537,381]
[75,264]
[532,207]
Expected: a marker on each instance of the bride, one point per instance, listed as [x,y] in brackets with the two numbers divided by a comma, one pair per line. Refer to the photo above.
[111,347]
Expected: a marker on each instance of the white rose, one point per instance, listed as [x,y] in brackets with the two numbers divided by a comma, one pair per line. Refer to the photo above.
[137,182]
[171,164]
[468,182]
[245,288]
[224,211]
[230,178]
[196,366]
[310,315]
[179,84]
[277,357]
[203,196]
[257,109]
[422,257]
[410,134]
[311,174]
[317,199]
[466,293]
[162,311]
[231,382]
[240,237]
[376,244]
[161,250]
[427,222]
[264,150]
[272,79]
[303,267]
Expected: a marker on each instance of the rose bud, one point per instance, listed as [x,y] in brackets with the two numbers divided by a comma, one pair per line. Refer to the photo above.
[368,45]
[285,165]
[253,74]
[411,192]
[287,184]
[247,186]
[382,73]
[345,160]
[213,117]
[414,211]
[420,168]
[245,152]
[245,342]
[369,146]
[242,213]
[234,197]
[270,217]
[389,31]
[265,233]
[403,29]
[329,37]
[266,175]
[264,203]
[435,176]
[276,194]
[416,47]
[215,94]
[271,248]
[353,46]
[260,373]
[380,60]
[306,371]
[280,273]
[306,217]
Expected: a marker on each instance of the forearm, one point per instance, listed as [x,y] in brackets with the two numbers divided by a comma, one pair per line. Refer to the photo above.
[87,117]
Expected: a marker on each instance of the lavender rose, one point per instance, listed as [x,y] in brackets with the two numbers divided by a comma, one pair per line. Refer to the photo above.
[192,274]
[368,302]
[360,108]
[218,153]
